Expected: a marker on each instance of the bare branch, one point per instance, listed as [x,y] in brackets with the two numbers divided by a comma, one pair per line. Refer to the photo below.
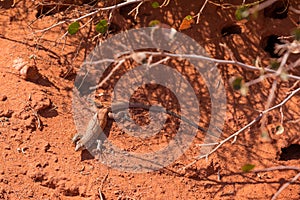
[109,75]
[165,3]
[200,11]
[296,177]
[136,9]
[244,128]
[93,13]
[295,10]
[284,186]
[219,61]
[261,6]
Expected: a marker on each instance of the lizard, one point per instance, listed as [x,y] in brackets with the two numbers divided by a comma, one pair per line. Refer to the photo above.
[99,121]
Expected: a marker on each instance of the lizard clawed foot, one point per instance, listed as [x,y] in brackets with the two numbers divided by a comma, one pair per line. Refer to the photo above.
[76,137]
[76,140]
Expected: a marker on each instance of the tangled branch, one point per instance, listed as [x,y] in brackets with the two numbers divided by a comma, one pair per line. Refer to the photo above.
[93,13]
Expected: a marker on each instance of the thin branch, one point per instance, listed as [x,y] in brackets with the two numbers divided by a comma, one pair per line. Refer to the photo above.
[261,6]
[200,11]
[191,56]
[93,13]
[108,76]
[165,3]
[39,123]
[219,61]
[281,167]
[296,177]
[244,128]
[283,102]
[136,9]
[101,187]
[284,186]
[269,103]
[294,10]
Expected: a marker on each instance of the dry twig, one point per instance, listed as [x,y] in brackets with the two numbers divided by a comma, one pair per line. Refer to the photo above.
[244,128]
[92,13]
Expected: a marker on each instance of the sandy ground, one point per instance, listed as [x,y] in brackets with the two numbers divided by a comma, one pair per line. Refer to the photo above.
[37,157]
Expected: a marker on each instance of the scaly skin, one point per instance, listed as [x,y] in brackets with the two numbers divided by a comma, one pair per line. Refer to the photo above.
[98,121]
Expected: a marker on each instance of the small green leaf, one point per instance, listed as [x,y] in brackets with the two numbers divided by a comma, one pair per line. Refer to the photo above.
[274,64]
[296,34]
[188,17]
[102,26]
[237,83]
[242,13]
[155,4]
[154,23]
[247,167]
[73,28]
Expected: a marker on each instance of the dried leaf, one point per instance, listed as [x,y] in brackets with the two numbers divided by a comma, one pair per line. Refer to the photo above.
[186,23]
[247,167]
[237,83]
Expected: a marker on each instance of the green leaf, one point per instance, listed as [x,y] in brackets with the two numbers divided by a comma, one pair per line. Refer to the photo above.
[102,26]
[237,83]
[242,13]
[274,64]
[154,23]
[155,4]
[188,17]
[73,28]
[247,167]
[296,34]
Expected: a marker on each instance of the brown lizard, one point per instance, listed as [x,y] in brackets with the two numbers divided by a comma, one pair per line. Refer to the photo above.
[93,131]
[99,121]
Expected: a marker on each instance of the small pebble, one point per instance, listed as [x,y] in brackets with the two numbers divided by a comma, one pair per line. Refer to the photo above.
[7,147]
[6,113]
[47,147]
[3,98]
[117,192]
[30,73]
[5,181]
[14,128]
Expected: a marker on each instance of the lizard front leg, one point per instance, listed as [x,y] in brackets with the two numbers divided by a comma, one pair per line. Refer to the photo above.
[76,138]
